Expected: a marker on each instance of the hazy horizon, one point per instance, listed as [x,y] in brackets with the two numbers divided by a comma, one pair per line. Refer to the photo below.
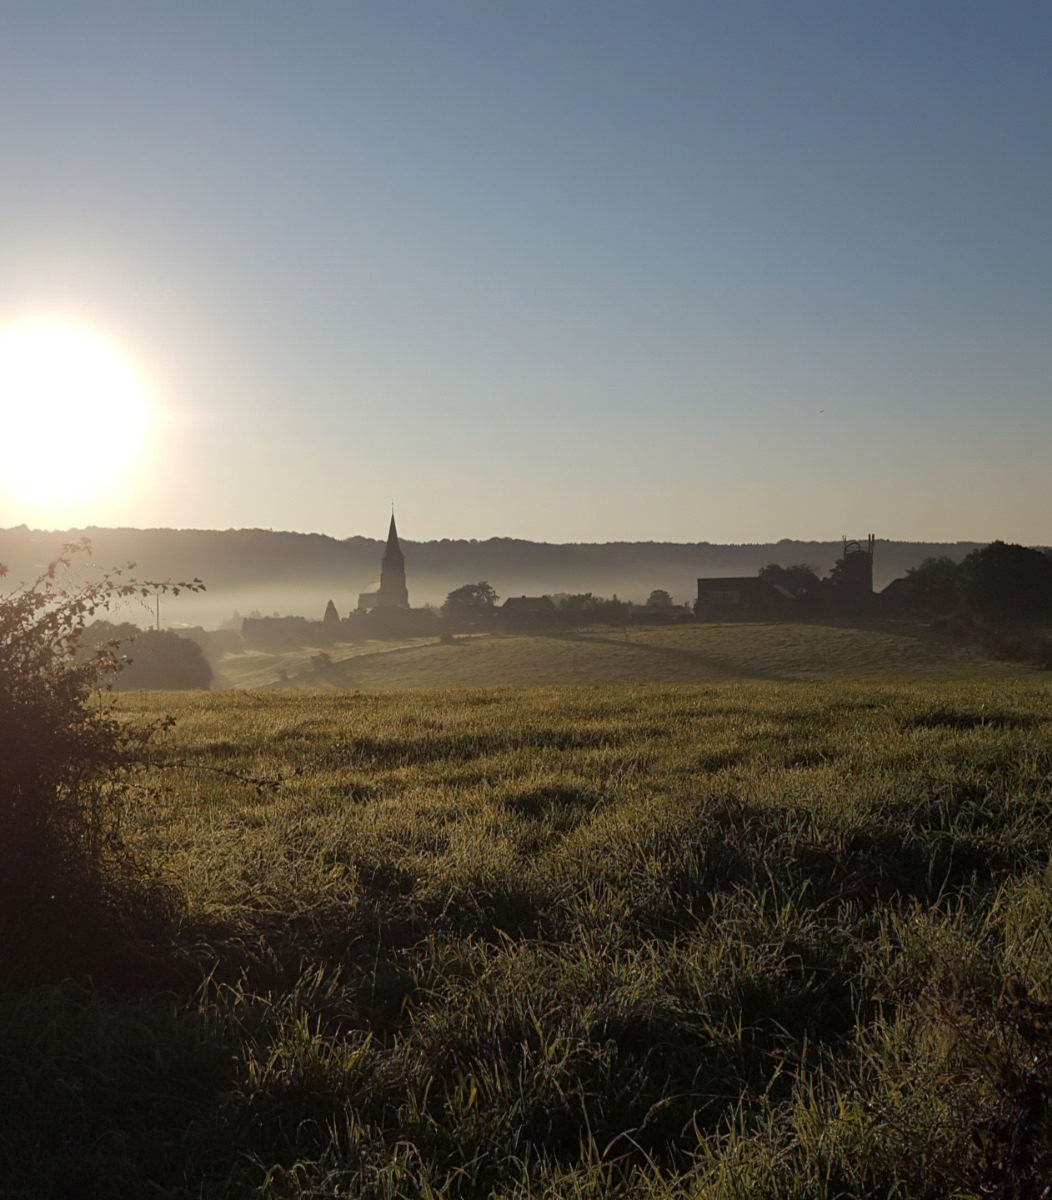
[297,574]
[495,537]
[565,273]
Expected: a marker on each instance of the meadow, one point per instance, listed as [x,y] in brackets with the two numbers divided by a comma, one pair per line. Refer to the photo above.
[732,939]
[693,652]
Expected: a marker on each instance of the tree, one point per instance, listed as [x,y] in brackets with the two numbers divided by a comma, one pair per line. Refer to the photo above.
[149,659]
[801,579]
[582,608]
[659,598]
[470,604]
[577,605]
[65,768]
[936,586]
[164,660]
[1008,581]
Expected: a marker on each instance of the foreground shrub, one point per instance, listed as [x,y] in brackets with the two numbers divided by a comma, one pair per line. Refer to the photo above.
[66,767]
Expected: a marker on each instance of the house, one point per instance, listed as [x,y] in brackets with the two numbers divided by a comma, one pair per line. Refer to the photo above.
[527,612]
[742,596]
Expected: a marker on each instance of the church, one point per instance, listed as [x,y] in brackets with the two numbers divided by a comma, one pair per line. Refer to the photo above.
[386,612]
[392,592]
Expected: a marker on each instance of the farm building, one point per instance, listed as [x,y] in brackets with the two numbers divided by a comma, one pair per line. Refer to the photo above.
[849,591]
[742,595]
[527,612]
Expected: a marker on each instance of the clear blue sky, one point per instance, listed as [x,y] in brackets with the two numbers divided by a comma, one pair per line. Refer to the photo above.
[553,269]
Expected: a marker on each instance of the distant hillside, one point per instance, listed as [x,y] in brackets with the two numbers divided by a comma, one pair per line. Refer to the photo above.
[296,573]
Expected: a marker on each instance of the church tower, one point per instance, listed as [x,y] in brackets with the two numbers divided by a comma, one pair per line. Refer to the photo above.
[393,592]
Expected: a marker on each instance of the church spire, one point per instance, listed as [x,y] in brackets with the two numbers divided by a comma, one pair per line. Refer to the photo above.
[393,548]
[393,591]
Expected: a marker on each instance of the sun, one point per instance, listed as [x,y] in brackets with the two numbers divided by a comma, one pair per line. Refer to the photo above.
[74,415]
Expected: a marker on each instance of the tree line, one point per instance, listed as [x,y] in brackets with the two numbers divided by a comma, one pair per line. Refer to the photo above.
[997,582]
[474,605]
[1002,581]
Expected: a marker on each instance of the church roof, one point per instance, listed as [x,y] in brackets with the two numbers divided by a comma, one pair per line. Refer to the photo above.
[392,541]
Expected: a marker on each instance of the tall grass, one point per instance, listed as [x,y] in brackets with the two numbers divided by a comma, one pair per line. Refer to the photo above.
[683,940]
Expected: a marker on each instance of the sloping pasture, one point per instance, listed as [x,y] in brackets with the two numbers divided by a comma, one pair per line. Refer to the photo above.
[691,653]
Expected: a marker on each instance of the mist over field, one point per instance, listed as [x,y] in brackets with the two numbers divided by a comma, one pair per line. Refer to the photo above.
[296,574]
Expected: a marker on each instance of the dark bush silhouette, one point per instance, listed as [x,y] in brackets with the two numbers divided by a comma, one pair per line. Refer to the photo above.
[149,659]
[1008,581]
[578,606]
[936,587]
[582,608]
[162,659]
[65,767]
[471,604]
[800,579]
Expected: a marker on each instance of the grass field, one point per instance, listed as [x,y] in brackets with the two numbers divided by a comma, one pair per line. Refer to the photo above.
[669,940]
[700,653]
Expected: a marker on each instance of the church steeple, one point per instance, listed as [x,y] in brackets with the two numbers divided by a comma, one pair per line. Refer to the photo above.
[393,549]
[393,591]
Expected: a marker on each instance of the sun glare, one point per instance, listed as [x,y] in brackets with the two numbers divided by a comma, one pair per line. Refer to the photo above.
[74,415]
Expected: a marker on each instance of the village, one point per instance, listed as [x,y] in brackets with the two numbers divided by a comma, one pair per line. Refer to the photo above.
[775,592]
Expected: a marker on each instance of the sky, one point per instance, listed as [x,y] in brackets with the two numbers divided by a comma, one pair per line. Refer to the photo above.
[562,270]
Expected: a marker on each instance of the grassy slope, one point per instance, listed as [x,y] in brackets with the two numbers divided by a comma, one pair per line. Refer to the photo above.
[250,666]
[708,940]
[690,653]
